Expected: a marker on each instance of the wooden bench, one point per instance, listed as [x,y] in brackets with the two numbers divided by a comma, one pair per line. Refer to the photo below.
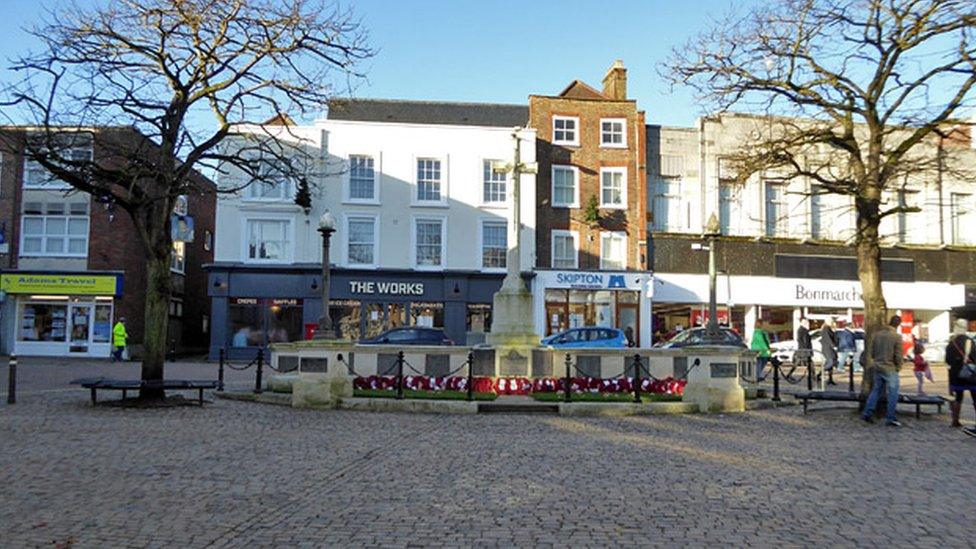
[126,385]
[846,396]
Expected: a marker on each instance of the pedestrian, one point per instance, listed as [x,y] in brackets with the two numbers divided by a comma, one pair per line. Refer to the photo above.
[760,344]
[803,355]
[846,346]
[960,355]
[921,366]
[828,348]
[119,337]
[885,356]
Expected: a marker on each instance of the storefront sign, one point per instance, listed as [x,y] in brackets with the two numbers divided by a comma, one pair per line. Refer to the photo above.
[804,293]
[386,288]
[588,280]
[70,284]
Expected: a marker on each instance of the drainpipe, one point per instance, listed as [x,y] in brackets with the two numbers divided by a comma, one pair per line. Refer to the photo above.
[701,166]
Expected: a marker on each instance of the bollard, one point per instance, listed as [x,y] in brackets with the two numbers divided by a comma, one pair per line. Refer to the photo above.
[637,379]
[12,381]
[470,376]
[810,372]
[776,381]
[399,393]
[569,379]
[850,377]
[260,372]
[220,370]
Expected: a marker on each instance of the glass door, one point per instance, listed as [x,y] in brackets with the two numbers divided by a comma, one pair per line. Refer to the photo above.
[79,327]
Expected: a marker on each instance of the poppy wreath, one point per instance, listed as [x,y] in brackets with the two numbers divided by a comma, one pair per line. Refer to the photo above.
[522,385]
[424,383]
[667,386]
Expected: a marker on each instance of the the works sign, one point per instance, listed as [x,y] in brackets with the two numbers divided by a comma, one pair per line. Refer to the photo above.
[845,295]
[386,288]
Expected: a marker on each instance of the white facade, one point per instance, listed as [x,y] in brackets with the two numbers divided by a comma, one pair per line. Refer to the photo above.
[406,196]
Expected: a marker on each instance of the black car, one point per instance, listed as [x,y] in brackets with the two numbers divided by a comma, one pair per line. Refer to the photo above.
[696,336]
[410,335]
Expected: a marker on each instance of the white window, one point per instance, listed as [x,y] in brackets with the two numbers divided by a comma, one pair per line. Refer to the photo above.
[176,307]
[429,180]
[362,178]
[776,209]
[730,207]
[565,130]
[818,206]
[565,188]
[494,244]
[908,198]
[613,132]
[273,185]
[963,219]
[361,240]
[177,260]
[76,147]
[672,165]
[613,251]
[613,187]
[429,243]
[495,188]
[54,229]
[268,240]
[565,249]
[669,208]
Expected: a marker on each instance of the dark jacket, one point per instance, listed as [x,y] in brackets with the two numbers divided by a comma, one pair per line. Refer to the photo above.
[845,340]
[954,356]
[828,342]
[803,339]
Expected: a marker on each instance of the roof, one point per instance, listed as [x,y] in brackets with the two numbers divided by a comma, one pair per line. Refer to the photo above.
[577,89]
[429,112]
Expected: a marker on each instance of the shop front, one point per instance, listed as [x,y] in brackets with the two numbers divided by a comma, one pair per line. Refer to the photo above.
[612,299]
[59,314]
[253,306]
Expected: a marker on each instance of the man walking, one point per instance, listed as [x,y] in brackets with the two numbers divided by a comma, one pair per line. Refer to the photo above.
[803,356]
[760,344]
[119,337]
[846,346]
[885,355]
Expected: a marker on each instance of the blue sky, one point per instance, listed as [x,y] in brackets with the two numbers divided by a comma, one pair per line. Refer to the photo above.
[499,51]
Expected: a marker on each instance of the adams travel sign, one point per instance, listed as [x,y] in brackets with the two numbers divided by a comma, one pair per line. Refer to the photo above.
[61,284]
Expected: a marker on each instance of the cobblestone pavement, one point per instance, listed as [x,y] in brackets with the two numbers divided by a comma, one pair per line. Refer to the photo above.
[244,474]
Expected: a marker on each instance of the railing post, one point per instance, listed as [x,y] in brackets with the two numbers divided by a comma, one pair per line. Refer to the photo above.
[776,381]
[399,392]
[569,379]
[637,378]
[470,376]
[257,377]
[809,371]
[12,380]
[220,370]
[850,376]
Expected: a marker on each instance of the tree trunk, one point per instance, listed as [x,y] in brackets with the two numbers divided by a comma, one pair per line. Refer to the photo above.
[158,290]
[869,273]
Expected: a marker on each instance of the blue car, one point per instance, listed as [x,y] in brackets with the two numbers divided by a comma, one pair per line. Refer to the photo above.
[590,337]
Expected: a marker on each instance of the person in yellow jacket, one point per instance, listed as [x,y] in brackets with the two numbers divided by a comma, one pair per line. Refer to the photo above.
[119,336]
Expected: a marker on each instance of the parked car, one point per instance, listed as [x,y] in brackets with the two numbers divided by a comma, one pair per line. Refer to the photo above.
[578,338]
[409,335]
[696,336]
[783,350]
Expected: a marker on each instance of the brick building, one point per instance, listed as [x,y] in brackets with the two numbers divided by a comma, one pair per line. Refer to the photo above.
[591,208]
[71,264]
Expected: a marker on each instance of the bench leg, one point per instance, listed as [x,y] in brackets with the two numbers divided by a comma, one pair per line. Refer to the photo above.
[124,393]
[94,400]
[804,406]
[918,411]
[201,396]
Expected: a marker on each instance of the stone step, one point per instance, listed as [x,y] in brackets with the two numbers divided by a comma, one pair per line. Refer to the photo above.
[517,408]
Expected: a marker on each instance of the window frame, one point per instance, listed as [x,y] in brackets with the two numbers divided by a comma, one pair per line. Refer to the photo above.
[481,243]
[574,235]
[957,201]
[288,191]
[552,185]
[484,185]
[347,179]
[622,170]
[347,218]
[289,234]
[623,133]
[413,242]
[612,235]
[177,260]
[781,227]
[55,184]
[576,130]
[65,238]
[415,192]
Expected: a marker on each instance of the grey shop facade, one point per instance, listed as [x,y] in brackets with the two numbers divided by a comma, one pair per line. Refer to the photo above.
[255,305]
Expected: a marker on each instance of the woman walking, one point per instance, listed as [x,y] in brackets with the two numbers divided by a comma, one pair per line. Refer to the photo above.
[960,355]
[828,347]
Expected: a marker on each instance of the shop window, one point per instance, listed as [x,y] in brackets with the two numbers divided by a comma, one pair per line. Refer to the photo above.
[494,244]
[362,178]
[67,150]
[361,240]
[54,234]
[246,323]
[102,326]
[429,180]
[177,259]
[495,191]
[285,321]
[429,242]
[346,318]
[479,318]
[613,251]
[43,322]
[268,240]
[612,133]
[565,249]
[565,191]
[427,315]
[613,187]
[565,130]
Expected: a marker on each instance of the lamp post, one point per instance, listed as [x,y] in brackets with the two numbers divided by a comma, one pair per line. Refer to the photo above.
[711,233]
[325,330]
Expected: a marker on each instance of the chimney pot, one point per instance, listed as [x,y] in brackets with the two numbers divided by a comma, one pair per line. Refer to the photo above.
[615,81]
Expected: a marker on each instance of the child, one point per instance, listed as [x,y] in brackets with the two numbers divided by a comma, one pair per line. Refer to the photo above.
[922,369]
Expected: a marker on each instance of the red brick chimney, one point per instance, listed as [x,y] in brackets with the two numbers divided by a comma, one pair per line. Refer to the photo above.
[615,81]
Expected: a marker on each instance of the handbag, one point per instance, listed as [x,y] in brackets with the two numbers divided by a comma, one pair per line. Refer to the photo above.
[967,373]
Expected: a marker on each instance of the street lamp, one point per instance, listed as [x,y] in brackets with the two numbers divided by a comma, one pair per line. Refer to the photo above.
[325,330]
[711,234]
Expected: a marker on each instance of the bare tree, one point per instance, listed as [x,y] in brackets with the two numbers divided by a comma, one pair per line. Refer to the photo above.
[859,96]
[186,75]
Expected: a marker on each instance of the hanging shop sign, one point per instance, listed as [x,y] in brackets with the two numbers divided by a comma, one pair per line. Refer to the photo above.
[61,284]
